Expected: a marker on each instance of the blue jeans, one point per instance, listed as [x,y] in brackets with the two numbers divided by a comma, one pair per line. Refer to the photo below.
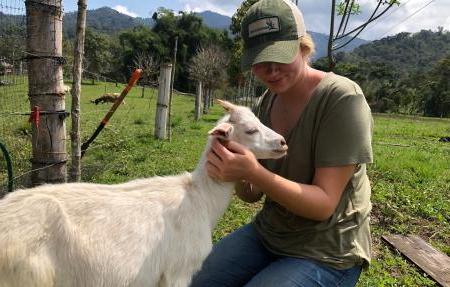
[240,259]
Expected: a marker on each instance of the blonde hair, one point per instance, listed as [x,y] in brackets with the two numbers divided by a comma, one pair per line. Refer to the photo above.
[307,46]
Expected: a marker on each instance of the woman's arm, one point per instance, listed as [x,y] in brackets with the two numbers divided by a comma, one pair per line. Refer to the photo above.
[231,161]
[317,201]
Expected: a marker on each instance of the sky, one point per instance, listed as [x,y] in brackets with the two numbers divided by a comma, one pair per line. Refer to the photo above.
[409,16]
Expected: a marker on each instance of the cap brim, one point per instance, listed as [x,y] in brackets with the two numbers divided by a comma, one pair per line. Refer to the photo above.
[278,51]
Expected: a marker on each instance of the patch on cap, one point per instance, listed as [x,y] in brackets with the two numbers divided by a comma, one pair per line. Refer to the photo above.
[263,26]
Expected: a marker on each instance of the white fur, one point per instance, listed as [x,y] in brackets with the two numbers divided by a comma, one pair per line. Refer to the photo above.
[66,88]
[146,232]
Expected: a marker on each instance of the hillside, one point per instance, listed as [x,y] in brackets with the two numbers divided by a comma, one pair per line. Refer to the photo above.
[321,41]
[405,52]
[406,73]
[108,20]
[214,20]
[104,20]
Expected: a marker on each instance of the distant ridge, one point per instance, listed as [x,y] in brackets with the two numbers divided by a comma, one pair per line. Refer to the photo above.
[215,20]
[104,20]
[110,21]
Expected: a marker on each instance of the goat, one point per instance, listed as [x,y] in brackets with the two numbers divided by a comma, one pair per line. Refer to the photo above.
[66,88]
[146,232]
[107,98]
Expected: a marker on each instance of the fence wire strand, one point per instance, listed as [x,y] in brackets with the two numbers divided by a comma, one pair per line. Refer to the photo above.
[15,128]
[15,133]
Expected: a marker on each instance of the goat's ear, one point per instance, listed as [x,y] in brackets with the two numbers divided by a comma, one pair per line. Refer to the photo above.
[229,107]
[222,131]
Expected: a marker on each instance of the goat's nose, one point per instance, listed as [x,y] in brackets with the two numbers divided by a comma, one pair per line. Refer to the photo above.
[282,142]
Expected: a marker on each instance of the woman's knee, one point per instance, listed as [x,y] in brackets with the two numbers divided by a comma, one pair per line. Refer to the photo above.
[234,260]
[295,272]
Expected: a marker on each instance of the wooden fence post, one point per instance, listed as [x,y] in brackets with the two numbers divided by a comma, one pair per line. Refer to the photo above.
[163,101]
[75,170]
[46,91]
[198,101]
[172,79]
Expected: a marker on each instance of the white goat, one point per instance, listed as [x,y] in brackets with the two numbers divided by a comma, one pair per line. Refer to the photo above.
[66,89]
[147,232]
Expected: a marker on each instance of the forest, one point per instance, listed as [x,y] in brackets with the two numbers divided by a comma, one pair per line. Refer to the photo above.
[407,73]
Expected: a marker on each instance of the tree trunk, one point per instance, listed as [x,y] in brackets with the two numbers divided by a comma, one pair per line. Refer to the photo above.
[75,171]
[331,60]
[163,102]
[46,91]
[198,101]
[239,92]
[211,98]
[205,101]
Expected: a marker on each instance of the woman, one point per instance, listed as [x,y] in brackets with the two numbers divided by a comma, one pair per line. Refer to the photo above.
[313,229]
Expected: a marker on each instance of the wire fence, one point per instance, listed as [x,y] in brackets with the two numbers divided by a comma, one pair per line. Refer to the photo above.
[15,132]
[17,121]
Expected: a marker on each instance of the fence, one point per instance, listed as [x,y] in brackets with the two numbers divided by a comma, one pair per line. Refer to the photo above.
[15,132]
[95,103]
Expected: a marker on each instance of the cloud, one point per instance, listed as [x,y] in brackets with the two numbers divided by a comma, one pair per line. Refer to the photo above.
[124,10]
[397,19]
[411,16]
[224,7]
[317,15]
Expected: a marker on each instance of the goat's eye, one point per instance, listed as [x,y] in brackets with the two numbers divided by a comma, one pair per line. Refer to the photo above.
[251,132]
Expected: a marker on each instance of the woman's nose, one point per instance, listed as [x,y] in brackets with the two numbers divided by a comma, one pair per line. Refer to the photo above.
[272,68]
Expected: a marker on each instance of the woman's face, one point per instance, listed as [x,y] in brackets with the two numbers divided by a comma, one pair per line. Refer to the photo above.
[279,77]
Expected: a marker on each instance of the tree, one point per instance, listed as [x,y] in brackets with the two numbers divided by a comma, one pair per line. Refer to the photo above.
[97,55]
[137,41]
[191,34]
[149,66]
[237,17]
[207,66]
[12,44]
[437,90]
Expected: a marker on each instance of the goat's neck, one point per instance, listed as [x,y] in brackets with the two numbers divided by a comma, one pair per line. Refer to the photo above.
[216,194]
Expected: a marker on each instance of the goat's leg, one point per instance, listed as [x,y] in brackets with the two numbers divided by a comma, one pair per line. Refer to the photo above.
[34,271]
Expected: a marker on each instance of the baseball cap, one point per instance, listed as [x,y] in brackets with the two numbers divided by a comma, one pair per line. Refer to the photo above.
[270,30]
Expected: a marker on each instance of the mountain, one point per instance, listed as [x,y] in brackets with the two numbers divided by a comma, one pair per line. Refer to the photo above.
[404,52]
[218,21]
[104,20]
[215,20]
[108,20]
[321,42]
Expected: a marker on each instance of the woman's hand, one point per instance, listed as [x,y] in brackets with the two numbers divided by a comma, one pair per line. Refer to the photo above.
[230,161]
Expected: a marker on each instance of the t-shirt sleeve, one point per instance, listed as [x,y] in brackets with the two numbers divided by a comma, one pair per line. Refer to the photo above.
[345,133]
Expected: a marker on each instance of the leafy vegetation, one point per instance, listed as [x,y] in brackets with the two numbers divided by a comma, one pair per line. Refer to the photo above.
[410,176]
[406,73]
[402,74]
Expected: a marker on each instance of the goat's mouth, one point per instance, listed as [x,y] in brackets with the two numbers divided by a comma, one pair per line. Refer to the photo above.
[281,151]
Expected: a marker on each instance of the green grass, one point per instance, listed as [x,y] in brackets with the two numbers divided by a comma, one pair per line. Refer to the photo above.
[410,175]
[15,131]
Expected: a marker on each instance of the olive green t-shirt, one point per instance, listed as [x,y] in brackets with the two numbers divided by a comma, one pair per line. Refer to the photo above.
[334,129]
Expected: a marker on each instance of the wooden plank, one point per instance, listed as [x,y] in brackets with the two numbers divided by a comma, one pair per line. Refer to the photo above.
[433,262]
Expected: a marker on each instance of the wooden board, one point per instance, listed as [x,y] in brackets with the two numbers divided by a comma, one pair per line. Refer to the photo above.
[433,262]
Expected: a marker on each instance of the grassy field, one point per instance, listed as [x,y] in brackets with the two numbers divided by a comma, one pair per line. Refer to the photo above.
[410,175]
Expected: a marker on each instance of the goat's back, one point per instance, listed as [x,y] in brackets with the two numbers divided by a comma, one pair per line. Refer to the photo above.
[79,234]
